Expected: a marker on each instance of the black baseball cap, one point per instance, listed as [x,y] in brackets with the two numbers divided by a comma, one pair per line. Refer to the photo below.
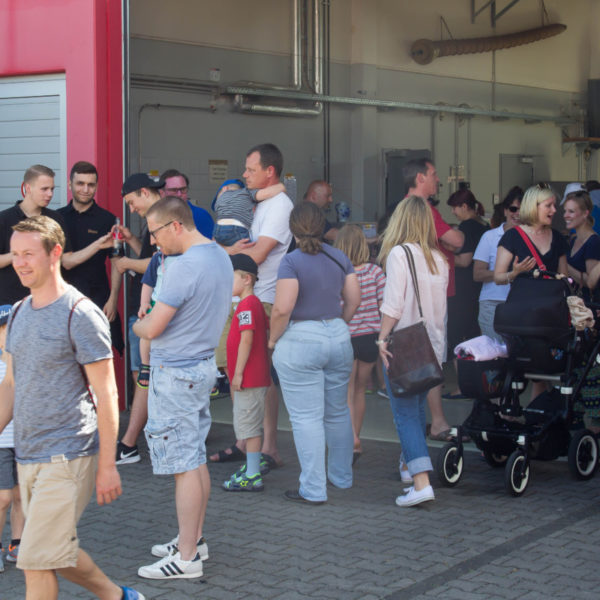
[243,262]
[137,181]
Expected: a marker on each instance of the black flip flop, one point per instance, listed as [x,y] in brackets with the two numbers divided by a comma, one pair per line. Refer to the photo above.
[236,455]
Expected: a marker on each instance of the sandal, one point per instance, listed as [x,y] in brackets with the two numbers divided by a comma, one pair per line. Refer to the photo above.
[143,378]
[235,455]
[269,460]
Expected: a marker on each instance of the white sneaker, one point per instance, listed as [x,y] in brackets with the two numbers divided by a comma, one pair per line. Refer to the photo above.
[173,567]
[171,547]
[414,497]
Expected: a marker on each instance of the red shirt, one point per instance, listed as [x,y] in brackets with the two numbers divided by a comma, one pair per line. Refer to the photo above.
[441,227]
[250,315]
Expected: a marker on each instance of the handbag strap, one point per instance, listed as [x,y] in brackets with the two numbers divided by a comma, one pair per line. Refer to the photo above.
[532,249]
[413,274]
[335,260]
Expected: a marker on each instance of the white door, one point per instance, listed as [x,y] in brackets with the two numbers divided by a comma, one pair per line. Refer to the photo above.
[33,130]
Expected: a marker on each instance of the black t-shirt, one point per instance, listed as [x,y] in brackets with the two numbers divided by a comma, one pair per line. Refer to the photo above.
[515,244]
[135,282]
[472,230]
[89,277]
[11,289]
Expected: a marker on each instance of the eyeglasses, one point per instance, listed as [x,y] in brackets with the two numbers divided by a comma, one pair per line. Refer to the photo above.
[543,186]
[177,191]
[514,209]
[153,233]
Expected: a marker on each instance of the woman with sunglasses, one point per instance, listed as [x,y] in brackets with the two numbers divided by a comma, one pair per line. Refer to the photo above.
[585,244]
[484,261]
[534,243]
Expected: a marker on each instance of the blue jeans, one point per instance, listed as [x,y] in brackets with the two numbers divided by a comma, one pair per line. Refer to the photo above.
[135,359]
[228,235]
[410,421]
[314,361]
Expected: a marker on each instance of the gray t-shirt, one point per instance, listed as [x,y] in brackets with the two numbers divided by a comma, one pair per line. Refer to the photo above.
[198,284]
[53,415]
[320,282]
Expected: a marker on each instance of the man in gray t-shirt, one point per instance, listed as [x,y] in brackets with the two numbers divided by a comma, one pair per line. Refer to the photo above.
[184,326]
[57,340]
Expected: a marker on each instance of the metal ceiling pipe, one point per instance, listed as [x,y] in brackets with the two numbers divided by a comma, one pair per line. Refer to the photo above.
[394,104]
[271,109]
[243,105]
[424,51]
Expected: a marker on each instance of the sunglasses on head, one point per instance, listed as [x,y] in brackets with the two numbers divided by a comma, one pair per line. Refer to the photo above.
[514,209]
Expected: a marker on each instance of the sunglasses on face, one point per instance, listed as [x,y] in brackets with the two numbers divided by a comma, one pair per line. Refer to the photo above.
[514,209]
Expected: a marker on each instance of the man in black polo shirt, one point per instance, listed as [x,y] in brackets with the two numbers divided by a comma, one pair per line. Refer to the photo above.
[38,186]
[87,223]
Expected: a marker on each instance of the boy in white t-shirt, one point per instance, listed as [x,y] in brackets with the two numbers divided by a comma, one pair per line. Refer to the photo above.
[9,487]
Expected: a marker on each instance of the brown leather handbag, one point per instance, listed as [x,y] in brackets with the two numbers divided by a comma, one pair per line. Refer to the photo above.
[414,367]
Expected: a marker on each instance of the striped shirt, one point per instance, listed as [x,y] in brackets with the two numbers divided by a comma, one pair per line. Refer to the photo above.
[236,204]
[367,318]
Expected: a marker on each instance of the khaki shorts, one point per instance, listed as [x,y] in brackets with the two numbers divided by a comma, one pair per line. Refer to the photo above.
[54,496]
[221,351]
[249,412]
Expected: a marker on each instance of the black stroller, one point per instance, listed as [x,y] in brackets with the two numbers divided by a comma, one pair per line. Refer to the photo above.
[542,345]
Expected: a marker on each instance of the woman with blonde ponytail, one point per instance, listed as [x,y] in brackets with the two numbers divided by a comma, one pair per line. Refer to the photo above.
[411,225]
[317,294]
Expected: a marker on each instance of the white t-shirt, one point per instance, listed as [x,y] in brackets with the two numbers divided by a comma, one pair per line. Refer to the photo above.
[486,252]
[271,219]
[7,437]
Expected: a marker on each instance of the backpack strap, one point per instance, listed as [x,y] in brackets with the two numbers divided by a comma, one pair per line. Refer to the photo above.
[532,249]
[14,313]
[83,373]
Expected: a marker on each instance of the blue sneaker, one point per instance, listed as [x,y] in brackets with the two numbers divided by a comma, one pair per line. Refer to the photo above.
[131,594]
[243,483]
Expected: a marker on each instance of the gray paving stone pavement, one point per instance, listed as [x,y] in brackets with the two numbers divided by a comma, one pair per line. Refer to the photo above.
[474,542]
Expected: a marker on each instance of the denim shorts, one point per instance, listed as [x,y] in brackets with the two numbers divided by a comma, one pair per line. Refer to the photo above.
[135,359]
[179,416]
[8,469]
[228,235]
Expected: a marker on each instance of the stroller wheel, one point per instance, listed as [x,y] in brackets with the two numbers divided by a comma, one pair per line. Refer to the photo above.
[516,474]
[494,459]
[449,465]
[583,455]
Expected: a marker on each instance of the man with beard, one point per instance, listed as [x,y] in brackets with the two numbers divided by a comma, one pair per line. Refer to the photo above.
[88,226]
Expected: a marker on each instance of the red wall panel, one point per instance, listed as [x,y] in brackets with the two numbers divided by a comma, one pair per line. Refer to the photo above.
[83,39]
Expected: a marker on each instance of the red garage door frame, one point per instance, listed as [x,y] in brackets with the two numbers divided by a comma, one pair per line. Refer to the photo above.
[84,40]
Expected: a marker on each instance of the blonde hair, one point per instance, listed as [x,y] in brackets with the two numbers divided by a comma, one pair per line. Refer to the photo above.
[532,198]
[411,222]
[352,242]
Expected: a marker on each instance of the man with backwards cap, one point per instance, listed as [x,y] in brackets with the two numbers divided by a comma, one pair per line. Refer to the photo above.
[140,192]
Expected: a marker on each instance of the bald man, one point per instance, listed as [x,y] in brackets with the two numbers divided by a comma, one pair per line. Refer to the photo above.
[319,193]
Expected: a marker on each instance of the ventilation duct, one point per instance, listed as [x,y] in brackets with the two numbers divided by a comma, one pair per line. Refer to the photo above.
[424,51]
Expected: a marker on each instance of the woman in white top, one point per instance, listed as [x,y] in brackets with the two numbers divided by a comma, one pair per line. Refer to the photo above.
[484,261]
[412,224]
